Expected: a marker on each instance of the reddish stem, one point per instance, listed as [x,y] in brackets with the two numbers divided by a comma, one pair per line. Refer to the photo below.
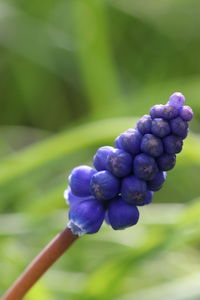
[40,265]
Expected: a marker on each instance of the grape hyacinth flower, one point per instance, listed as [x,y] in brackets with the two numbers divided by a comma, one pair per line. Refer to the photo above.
[119,163]
[151,145]
[160,127]
[145,166]
[122,214]
[104,185]
[99,160]
[86,217]
[144,124]
[127,175]
[166,162]
[124,178]
[129,141]
[79,180]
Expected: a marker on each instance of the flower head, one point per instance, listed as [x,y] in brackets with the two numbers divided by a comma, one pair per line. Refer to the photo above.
[128,175]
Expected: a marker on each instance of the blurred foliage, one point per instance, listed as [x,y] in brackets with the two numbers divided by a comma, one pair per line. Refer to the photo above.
[74,74]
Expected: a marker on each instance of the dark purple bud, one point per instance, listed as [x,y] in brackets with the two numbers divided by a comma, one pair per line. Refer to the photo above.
[119,163]
[71,199]
[157,182]
[177,100]
[157,111]
[86,217]
[130,141]
[166,162]
[99,160]
[79,180]
[133,190]
[122,214]
[144,124]
[160,127]
[152,145]
[169,112]
[186,113]
[104,185]
[179,127]
[145,167]
[172,144]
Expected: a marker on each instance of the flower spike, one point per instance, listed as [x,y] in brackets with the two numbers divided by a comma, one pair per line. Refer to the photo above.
[127,175]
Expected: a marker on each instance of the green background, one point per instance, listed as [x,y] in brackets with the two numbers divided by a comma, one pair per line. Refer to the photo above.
[73,75]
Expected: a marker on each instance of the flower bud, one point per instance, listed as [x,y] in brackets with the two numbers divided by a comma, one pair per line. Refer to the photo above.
[86,217]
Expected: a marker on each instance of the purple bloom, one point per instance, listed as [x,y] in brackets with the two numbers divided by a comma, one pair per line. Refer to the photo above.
[177,100]
[99,160]
[86,217]
[144,124]
[130,141]
[166,162]
[172,144]
[122,214]
[133,190]
[157,111]
[160,127]
[152,145]
[79,180]
[179,127]
[186,113]
[169,112]
[145,167]
[104,185]
[119,163]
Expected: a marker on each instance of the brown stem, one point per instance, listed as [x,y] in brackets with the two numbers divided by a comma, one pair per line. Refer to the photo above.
[40,265]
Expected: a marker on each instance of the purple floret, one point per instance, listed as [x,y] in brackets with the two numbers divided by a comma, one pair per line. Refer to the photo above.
[172,144]
[166,162]
[130,141]
[179,127]
[186,113]
[144,124]
[104,185]
[79,180]
[86,217]
[157,111]
[119,163]
[99,160]
[177,100]
[133,190]
[145,167]
[160,127]
[157,182]
[122,214]
[152,145]
[169,112]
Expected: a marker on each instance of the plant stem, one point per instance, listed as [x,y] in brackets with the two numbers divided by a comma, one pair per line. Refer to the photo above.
[40,265]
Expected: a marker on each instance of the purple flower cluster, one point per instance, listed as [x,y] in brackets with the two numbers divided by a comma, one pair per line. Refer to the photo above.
[126,176]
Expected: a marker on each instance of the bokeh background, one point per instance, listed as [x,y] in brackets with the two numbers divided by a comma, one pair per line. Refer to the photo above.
[73,75]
